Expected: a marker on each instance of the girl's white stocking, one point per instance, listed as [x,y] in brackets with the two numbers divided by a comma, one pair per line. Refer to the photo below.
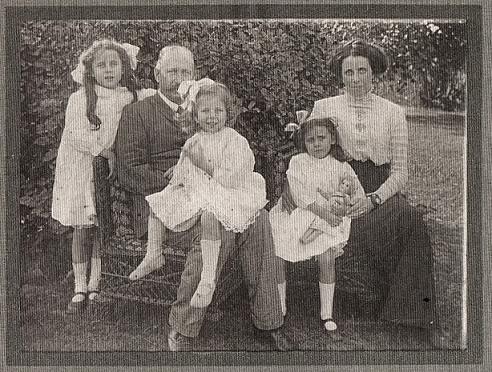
[210,257]
[95,276]
[154,258]
[80,276]
[326,292]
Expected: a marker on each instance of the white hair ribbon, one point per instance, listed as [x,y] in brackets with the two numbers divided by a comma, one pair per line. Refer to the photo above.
[189,89]
[131,51]
[302,115]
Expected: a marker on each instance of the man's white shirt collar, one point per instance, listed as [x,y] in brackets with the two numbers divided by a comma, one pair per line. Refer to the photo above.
[174,106]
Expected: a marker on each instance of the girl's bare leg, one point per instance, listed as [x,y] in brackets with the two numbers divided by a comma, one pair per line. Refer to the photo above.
[210,246]
[327,288]
[154,259]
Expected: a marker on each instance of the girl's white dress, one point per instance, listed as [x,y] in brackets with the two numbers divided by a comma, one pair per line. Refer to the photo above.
[72,195]
[307,174]
[234,193]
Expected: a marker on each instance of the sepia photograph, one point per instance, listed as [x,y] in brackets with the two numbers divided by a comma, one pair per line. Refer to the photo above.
[243,184]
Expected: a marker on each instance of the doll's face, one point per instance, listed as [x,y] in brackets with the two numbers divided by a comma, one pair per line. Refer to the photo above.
[346,186]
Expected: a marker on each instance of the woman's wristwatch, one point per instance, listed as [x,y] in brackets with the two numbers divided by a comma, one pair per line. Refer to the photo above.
[375,200]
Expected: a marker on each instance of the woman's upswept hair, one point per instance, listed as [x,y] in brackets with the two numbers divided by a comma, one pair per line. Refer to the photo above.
[300,136]
[221,91]
[378,60]
[127,77]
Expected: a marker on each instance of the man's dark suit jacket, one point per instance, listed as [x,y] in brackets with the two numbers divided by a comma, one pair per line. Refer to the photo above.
[147,144]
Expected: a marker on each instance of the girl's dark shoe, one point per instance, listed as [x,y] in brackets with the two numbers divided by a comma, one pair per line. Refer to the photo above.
[77,306]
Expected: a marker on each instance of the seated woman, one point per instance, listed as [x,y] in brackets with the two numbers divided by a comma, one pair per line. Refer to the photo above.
[389,233]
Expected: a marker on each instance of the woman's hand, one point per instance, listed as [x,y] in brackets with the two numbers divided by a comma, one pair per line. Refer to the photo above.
[360,207]
[337,205]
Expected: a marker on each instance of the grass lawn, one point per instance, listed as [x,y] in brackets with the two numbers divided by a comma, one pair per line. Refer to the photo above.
[436,184]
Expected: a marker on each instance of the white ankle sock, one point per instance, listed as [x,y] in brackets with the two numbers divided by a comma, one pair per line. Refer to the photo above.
[95,275]
[156,235]
[80,276]
[326,292]
[282,291]
[210,258]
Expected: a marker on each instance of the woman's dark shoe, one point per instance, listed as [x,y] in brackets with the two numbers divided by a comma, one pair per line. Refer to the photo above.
[77,306]
[178,342]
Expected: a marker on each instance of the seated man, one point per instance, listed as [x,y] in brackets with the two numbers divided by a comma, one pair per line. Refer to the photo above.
[148,144]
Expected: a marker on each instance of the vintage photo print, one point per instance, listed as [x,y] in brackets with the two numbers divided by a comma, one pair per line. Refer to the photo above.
[243,184]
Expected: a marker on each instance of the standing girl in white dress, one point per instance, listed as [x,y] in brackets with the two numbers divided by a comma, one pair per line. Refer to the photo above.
[213,181]
[316,177]
[105,72]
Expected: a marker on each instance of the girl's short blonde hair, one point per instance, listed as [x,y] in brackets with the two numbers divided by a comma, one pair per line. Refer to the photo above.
[221,91]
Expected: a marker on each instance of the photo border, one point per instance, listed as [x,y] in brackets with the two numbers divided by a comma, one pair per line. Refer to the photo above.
[10,228]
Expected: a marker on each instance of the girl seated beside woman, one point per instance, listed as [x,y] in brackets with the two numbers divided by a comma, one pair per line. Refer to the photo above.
[316,177]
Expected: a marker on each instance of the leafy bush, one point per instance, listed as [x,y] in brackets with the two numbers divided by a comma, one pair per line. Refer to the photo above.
[273,67]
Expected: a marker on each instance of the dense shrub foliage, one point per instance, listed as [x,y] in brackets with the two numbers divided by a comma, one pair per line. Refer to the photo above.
[273,67]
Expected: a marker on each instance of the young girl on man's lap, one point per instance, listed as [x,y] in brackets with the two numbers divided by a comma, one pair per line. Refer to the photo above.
[105,72]
[316,177]
[213,182]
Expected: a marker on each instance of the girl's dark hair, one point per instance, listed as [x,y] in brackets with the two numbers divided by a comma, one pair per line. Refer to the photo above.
[300,136]
[378,60]
[220,90]
[127,77]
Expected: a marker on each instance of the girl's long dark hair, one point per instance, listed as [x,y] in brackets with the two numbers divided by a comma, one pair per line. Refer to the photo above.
[127,77]
[300,136]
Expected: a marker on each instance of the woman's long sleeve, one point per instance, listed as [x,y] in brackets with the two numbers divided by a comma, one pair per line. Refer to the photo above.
[399,157]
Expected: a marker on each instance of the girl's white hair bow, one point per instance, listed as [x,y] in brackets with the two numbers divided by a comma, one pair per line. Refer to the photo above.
[131,51]
[188,91]
[302,116]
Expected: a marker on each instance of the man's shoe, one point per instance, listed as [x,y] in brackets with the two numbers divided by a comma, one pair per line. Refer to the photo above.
[178,342]
[278,339]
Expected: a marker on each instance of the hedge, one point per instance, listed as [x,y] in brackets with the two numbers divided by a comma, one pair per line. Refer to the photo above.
[273,67]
